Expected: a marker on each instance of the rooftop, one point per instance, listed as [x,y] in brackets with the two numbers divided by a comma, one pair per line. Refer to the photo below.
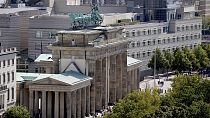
[132,61]
[70,77]
[44,57]
[16,10]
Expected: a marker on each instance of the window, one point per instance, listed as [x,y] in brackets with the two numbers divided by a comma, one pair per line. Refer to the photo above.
[165,29]
[8,62]
[195,37]
[196,27]
[37,46]
[144,43]
[149,42]
[187,28]
[138,55]
[4,78]
[191,27]
[0,33]
[144,54]
[0,63]
[8,77]
[187,37]
[38,34]
[138,44]
[159,31]
[8,95]
[133,33]
[154,42]
[133,44]
[182,38]
[159,41]
[169,40]
[148,53]
[144,32]
[164,40]
[182,28]
[178,38]
[178,29]
[133,55]
[174,39]
[191,37]
[139,33]
[149,32]
[13,76]
[127,34]
[13,61]
[13,93]
[4,63]
[154,31]
[0,78]
[51,35]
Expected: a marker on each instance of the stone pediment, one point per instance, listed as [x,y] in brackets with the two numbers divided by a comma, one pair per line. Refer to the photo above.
[49,81]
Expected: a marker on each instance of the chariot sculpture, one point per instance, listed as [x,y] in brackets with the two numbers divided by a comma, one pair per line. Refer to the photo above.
[81,21]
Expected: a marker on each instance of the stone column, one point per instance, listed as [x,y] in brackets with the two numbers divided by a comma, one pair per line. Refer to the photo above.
[49,104]
[83,102]
[56,107]
[98,85]
[56,63]
[21,96]
[74,104]
[78,94]
[135,79]
[104,84]
[132,80]
[112,86]
[44,104]
[92,71]
[68,104]
[31,103]
[119,77]
[124,74]
[129,81]
[88,99]
[61,105]
[36,103]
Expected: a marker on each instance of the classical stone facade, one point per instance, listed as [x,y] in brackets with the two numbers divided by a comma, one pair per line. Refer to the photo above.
[99,54]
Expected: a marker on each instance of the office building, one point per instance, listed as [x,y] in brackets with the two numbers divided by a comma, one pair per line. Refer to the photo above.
[7,79]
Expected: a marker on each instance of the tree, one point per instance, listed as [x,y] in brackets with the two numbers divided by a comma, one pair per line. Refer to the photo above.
[206,47]
[186,89]
[206,22]
[199,109]
[181,62]
[202,57]
[137,105]
[192,58]
[160,60]
[17,112]
[169,60]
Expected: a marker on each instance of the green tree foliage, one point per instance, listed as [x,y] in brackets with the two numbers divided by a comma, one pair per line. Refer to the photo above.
[137,105]
[160,60]
[169,59]
[17,112]
[192,58]
[186,89]
[199,109]
[202,57]
[181,62]
[206,22]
